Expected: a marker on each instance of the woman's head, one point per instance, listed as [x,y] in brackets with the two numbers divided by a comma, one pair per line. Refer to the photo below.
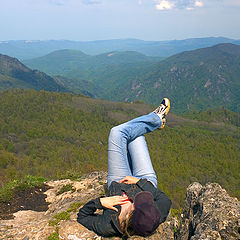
[141,217]
[145,218]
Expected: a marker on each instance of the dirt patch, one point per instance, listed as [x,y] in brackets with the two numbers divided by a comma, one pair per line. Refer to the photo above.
[30,199]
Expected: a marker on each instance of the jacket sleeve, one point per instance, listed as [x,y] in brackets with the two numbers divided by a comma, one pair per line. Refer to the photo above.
[163,203]
[100,224]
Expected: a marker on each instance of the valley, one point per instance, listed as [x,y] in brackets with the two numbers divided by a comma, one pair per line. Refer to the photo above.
[56,112]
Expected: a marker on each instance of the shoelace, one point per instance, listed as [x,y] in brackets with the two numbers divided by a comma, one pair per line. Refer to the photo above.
[161,108]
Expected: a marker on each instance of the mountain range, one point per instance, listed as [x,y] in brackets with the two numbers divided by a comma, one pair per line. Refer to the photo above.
[194,80]
[73,63]
[32,49]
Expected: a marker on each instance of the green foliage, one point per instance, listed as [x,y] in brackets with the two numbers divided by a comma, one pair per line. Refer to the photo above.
[8,191]
[58,217]
[58,135]
[54,236]
[66,188]
[74,206]
[176,213]
[221,115]
[70,174]
[13,74]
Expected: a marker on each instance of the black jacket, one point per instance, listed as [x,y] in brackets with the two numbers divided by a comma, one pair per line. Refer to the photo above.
[107,224]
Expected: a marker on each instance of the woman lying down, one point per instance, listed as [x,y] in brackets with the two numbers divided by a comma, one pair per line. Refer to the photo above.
[134,205]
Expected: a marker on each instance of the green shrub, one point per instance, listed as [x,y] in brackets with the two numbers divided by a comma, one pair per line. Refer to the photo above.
[66,188]
[74,206]
[57,218]
[53,236]
[176,213]
[7,192]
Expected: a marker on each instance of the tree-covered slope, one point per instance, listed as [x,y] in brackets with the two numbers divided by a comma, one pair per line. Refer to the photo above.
[59,62]
[75,63]
[221,115]
[95,75]
[58,135]
[195,80]
[13,74]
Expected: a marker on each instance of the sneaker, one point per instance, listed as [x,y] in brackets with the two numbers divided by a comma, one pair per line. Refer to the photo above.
[163,108]
[162,111]
[164,121]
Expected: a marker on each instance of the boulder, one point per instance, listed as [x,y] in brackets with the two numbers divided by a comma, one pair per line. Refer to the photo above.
[209,213]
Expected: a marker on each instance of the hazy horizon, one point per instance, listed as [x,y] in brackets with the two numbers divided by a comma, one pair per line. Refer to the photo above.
[112,39]
[91,20]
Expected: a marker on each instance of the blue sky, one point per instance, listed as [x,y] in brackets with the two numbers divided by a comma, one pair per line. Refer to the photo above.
[112,19]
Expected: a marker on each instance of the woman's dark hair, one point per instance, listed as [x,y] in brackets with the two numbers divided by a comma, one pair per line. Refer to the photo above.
[126,226]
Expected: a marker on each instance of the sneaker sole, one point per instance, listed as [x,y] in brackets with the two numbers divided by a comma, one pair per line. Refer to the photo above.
[164,121]
[167,101]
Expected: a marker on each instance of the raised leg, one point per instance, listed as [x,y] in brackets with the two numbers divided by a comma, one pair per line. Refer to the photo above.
[141,164]
[120,137]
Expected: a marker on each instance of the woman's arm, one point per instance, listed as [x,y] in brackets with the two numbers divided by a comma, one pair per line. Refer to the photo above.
[110,202]
[100,224]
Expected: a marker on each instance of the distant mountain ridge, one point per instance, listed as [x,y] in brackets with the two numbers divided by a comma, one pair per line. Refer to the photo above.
[91,75]
[194,80]
[66,61]
[26,49]
[13,74]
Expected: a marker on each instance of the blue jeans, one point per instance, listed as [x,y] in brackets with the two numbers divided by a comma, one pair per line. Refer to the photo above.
[127,149]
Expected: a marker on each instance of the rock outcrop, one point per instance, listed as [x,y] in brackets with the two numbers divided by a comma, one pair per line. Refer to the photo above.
[208,213]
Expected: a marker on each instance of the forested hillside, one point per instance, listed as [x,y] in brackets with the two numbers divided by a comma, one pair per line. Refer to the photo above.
[195,80]
[13,74]
[96,75]
[59,135]
[67,62]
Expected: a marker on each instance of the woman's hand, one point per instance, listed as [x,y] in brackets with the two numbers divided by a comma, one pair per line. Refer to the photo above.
[110,202]
[129,180]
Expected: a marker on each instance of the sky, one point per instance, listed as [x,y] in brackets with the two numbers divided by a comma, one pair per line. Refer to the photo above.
[87,20]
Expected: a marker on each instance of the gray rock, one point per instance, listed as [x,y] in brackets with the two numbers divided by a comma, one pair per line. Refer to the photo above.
[209,213]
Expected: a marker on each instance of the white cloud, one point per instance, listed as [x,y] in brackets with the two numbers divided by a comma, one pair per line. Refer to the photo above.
[164,5]
[198,4]
[179,4]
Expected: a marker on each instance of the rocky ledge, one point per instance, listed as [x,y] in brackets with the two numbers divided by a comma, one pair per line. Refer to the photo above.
[208,213]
